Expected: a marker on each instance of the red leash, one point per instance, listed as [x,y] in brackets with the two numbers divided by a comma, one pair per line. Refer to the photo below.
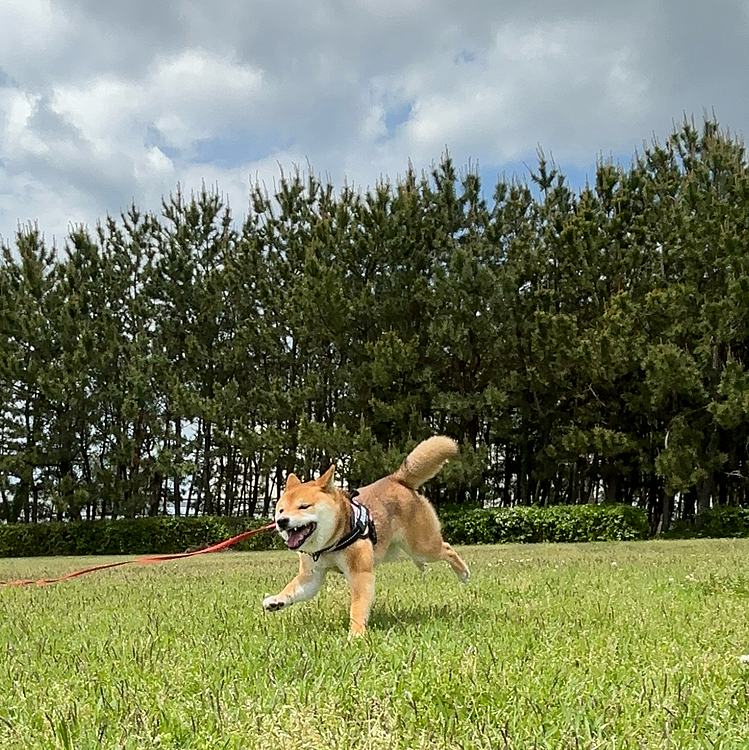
[141,560]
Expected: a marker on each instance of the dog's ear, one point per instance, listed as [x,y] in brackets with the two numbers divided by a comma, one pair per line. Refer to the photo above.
[291,481]
[326,480]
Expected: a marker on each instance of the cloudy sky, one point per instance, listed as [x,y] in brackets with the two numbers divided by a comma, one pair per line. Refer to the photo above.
[104,102]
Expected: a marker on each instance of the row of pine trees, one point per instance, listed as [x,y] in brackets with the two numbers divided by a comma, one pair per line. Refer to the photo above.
[581,345]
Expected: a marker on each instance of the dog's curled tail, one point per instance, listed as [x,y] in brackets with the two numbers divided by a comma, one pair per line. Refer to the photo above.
[425,460]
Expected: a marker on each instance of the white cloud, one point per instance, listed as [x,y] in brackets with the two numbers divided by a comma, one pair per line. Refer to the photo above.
[533,85]
[33,29]
[17,109]
[103,103]
[186,97]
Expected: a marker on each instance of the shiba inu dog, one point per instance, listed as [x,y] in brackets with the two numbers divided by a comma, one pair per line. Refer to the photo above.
[331,530]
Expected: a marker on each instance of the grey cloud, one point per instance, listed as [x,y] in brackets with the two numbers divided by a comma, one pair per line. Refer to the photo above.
[51,127]
[357,86]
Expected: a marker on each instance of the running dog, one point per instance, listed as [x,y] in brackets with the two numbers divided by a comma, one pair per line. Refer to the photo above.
[331,529]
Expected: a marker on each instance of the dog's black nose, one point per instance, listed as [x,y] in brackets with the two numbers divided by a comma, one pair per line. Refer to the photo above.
[282,523]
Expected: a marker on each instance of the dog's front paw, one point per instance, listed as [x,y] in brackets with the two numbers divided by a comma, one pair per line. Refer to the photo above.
[272,603]
[357,629]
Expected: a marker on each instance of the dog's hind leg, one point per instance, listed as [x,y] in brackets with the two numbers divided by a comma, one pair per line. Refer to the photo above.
[456,562]
[446,553]
[425,544]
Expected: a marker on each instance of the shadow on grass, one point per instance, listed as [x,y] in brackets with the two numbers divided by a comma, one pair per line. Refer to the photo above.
[389,618]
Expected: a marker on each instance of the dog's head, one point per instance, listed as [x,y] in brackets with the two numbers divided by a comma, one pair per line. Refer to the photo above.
[307,513]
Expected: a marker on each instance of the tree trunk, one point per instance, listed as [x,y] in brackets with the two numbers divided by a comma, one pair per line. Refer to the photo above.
[705,491]
[667,509]
[176,490]
[207,496]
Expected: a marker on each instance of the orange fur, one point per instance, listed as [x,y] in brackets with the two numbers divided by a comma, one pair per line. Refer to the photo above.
[404,519]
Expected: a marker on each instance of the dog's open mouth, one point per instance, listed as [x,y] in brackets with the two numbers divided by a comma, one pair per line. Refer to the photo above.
[298,536]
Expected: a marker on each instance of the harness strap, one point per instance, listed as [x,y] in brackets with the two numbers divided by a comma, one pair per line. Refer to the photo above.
[362,527]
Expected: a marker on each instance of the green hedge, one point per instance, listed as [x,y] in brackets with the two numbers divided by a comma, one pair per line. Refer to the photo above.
[556,523]
[139,536]
[165,535]
[724,521]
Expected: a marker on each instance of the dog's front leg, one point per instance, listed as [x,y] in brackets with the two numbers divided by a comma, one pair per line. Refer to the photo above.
[362,594]
[300,588]
[360,574]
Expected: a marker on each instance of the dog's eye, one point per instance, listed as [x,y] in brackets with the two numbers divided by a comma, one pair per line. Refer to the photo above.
[303,507]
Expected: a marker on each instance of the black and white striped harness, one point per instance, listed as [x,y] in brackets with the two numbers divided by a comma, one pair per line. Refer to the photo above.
[362,527]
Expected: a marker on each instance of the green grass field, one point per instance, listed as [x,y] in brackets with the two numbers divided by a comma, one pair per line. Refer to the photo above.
[610,645]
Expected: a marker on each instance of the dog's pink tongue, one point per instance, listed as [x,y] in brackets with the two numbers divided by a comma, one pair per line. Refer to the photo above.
[295,538]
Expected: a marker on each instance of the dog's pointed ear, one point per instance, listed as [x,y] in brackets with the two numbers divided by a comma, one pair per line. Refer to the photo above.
[291,481]
[326,480]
